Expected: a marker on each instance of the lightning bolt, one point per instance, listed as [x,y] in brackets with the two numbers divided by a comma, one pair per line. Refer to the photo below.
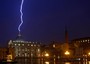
[19,27]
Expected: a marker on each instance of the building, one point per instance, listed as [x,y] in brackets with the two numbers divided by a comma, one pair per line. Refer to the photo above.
[83,43]
[24,50]
[59,50]
[5,52]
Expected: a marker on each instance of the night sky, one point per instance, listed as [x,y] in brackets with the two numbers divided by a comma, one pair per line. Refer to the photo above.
[44,20]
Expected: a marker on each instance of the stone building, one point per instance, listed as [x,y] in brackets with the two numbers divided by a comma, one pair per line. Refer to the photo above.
[24,51]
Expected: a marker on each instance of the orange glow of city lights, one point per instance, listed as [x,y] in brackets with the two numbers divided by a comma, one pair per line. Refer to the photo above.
[9,58]
[46,54]
[67,53]
[46,62]
[89,53]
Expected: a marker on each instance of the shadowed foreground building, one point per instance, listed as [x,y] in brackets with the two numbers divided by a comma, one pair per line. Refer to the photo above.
[5,53]
[83,43]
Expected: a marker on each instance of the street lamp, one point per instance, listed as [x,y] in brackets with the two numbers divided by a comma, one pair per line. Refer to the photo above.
[46,62]
[46,54]
[89,54]
[67,53]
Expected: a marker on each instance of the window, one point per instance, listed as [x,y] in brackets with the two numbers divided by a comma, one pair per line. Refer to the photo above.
[18,44]
[28,45]
[25,54]
[31,44]
[38,50]
[85,40]
[88,40]
[34,45]
[15,44]
[18,54]
[25,49]
[31,54]
[54,45]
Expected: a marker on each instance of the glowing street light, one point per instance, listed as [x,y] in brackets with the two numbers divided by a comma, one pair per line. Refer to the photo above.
[89,53]
[46,62]
[46,54]
[67,53]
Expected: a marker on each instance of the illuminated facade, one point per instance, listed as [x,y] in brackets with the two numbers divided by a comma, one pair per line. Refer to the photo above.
[4,52]
[82,42]
[24,51]
[25,48]
[82,46]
